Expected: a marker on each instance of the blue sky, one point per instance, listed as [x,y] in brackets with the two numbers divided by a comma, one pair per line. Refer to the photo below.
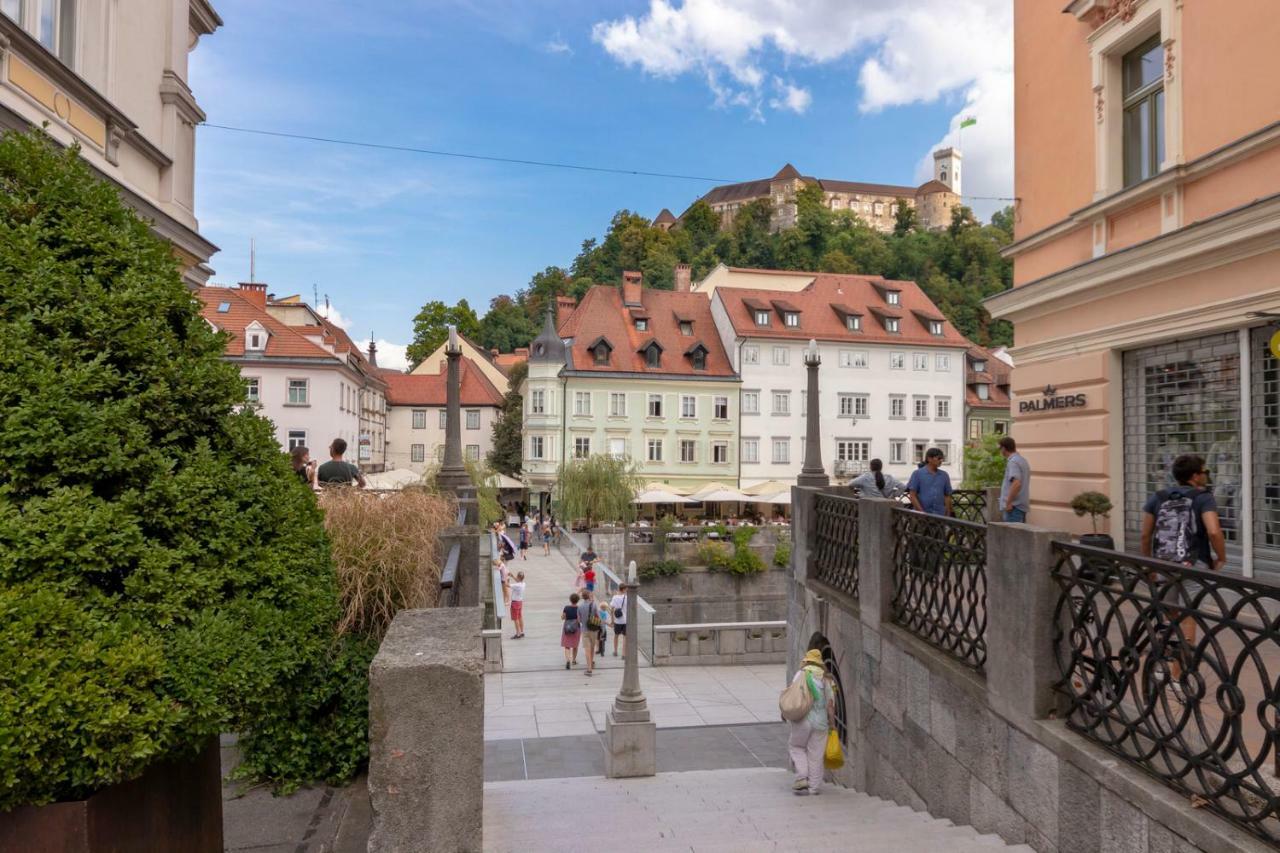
[852,89]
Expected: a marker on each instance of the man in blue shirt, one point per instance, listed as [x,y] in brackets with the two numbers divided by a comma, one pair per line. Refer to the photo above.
[930,487]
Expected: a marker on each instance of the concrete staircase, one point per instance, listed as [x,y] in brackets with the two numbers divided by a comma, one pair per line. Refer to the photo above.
[736,811]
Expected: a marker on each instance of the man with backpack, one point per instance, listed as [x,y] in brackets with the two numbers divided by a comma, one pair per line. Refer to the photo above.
[1181,525]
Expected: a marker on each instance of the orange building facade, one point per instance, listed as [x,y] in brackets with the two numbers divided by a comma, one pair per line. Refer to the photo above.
[1146,299]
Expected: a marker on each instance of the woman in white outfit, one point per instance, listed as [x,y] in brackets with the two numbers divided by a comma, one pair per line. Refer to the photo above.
[876,484]
[808,740]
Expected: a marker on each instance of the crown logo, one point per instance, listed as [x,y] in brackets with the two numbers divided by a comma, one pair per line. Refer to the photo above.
[1049,390]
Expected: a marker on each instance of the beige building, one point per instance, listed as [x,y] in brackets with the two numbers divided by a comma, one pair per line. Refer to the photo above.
[1146,297]
[493,365]
[416,415]
[111,76]
[873,203]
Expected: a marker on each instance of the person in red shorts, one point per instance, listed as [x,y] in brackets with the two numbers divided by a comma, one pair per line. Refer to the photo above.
[517,606]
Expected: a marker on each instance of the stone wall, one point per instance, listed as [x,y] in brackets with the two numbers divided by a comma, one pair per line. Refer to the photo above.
[698,595]
[980,749]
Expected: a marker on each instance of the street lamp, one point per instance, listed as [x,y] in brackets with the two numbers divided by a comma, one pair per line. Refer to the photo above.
[630,736]
[812,473]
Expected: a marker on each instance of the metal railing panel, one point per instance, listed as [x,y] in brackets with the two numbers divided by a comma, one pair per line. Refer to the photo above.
[836,544]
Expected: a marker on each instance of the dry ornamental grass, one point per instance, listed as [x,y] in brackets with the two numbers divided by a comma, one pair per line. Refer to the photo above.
[386,552]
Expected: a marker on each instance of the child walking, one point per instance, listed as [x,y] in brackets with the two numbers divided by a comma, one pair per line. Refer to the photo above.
[517,606]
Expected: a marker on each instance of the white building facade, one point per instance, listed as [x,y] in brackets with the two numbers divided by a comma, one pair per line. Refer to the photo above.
[416,417]
[892,380]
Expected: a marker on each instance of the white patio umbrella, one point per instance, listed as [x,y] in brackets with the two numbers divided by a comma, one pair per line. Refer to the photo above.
[768,487]
[725,495]
[780,498]
[658,496]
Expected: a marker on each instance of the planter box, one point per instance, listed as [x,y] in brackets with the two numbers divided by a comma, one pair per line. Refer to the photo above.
[174,806]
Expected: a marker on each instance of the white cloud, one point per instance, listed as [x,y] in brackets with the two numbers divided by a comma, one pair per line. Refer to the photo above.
[334,316]
[389,355]
[907,52]
[558,46]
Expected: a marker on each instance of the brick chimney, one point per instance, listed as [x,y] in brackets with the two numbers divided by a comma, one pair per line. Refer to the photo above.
[254,292]
[565,306]
[632,284]
[521,352]
[684,275]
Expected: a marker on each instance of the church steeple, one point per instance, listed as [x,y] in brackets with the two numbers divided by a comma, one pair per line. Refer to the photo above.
[548,348]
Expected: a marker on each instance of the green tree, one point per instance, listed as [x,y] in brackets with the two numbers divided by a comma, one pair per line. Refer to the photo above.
[163,575]
[431,328]
[598,488]
[507,455]
[905,218]
[702,224]
[983,463]
[506,325]
[543,287]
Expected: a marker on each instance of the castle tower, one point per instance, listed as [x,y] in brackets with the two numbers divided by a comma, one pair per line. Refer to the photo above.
[946,168]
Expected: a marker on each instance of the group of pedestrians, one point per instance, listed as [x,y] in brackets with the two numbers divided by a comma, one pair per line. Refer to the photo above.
[336,472]
[586,622]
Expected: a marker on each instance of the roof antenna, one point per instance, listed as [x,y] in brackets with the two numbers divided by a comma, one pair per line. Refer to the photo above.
[315,294]
[326,306]
[253,260]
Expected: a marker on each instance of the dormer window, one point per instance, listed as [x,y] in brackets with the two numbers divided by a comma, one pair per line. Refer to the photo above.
[984,391]
[791,318]
[762,318]
[652,353]
[698,356]
[600,350]
[891,324]
[686,328]
[853,323]
[935,327]
[893,297]
[980,366]
[255,337]
[642,324]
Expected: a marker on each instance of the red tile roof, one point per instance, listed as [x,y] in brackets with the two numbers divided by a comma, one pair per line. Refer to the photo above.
[996,376]
[602,314]
[282,341]
[428,389]
[823,303]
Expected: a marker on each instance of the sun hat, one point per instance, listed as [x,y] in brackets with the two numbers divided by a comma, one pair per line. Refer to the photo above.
[813,656]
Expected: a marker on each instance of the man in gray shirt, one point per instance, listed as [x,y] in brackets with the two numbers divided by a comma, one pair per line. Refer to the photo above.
[1015,489]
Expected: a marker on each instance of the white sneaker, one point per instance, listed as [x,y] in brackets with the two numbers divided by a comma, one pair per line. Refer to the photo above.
[800,785]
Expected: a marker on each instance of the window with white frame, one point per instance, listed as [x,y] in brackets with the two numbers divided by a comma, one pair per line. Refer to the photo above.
[897,360]
[417,453]
[688,406]
[655,405]
[845,403]
[853,322]
[751,354]
[897,451]
[1001,427]
[642,325]
[473,419]
[655,450]
[781,451]
[975,428]
[751,451]
[581,447]
[299,392]
[750,402]
[252,389]
[918,449]
[897,406]
[419,419]
[782,402]
[686,328]
[688,450]
[856,450]
[297,438]
[945,447]
[444,419]
[893,297]
[582,402]
[920,408]
[537,402]
[892,324]
[943,407]
[537,444]
[920,360]
[861,358]
[720,452]
[617,404]
[1142,73]
[791,318]
[472,452]
[762,318]
[342,396]
[618,448]
[861,405]
[984,391]
[255,340]
[942,362]
[781,356]
[980,367]
[720,408]
[51,22]
[935,328]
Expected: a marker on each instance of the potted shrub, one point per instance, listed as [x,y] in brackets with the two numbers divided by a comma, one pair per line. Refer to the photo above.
[1096,505]
[165,577]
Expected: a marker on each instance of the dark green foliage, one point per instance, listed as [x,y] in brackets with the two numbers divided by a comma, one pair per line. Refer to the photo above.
[983,463]
[507,455]
[163,575]
[1093,504]
[431,328]
[660,568]
[782,551]
[507,325]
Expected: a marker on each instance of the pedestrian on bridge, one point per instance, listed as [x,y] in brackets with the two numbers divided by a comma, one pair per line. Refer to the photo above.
[808,740]
[571,631]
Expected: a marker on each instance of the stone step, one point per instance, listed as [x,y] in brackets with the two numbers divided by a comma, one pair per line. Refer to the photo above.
[718,810]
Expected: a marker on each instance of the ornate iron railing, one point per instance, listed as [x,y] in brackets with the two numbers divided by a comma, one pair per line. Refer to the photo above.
[1176,671]
[970,505]
[940,582]
[836,546]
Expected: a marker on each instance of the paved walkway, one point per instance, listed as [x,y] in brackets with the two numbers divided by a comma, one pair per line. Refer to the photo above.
[534,696]
[733,811]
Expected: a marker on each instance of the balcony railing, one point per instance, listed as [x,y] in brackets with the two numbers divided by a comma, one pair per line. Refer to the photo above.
[1177,672]
[836,546]
[940,582]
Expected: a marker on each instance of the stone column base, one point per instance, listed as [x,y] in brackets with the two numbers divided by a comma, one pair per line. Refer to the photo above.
[630,749]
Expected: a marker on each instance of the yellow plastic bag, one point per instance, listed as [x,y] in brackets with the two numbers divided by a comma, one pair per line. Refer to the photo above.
[834,757]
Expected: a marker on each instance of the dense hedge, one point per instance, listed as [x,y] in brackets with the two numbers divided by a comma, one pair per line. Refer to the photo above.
[163,575]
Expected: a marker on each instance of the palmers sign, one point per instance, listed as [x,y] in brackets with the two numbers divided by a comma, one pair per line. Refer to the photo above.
[1051,401]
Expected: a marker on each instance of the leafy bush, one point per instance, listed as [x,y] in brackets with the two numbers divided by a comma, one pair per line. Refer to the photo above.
[782,552]
[163,575]
[660,569]
[714,555]
[1093,504]
[983,463]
